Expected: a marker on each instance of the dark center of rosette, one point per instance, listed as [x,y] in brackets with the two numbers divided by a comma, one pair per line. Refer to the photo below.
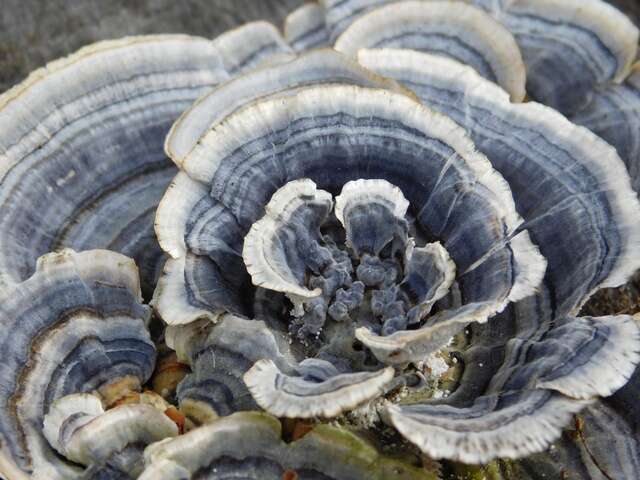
[345,267]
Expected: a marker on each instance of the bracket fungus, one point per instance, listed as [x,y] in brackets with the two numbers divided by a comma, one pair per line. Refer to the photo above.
[417,211]
[81,158]
[366,207]
[77,325]
[249,445]
[75,421]
[455,30]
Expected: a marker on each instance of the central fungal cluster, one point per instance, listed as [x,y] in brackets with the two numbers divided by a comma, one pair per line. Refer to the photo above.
[355,267]
[209,248]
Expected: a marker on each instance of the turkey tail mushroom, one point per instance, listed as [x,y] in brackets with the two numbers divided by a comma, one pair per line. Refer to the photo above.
[83,432]
[249,444]
[569,47]
[305,28]
[81,148]
[452,29]
[530,141]
[76,325]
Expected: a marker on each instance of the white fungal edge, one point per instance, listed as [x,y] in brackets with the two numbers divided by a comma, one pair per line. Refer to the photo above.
[410,345]
[256,250]
[304,19]
[518,438]
[596,155]
[246,40]
[23,96]
[610,368]
[115,428]
[316,66]
[173,212]
[444,264]
[172,301]
[62,409]
[262,381]
[530,266]
[614,29]
[370,191]
[477,27]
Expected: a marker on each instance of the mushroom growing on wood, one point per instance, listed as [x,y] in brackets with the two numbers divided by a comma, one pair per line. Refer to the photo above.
[79,429]
[249,445]
[81,158]
[418,209]
[386,229]
[77,325]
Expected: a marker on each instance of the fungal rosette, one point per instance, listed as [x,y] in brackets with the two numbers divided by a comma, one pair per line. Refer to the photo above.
[331,231]
[387,211]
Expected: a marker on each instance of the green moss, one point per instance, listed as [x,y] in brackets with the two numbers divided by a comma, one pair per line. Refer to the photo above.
[357,454]
[490,471]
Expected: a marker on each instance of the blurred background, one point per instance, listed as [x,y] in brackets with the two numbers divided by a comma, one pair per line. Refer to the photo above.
[33,32]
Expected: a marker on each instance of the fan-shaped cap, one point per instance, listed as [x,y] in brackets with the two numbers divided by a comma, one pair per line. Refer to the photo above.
[212,159]
[372,213]
[453,29]
[279,247]
[530,397]
[76,325]
[341,13]
[246,47]
[453,182]
[79,429]
[508,425]
[250,444]
[580,357]
[613,113]
[81,161]
[593,206]
[569,46]
[305,27]
[236,349]
[326,394]
[281,79]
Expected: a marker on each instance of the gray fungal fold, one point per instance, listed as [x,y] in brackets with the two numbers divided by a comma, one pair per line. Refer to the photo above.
[80,326]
